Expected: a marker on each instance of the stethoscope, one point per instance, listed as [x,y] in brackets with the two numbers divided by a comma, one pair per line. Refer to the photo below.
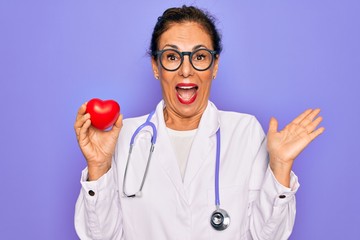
[219,219]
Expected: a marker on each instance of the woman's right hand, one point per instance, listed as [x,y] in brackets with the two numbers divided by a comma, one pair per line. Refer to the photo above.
[96,145]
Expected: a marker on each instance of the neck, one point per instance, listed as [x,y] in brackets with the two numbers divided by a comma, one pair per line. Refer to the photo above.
[181,123]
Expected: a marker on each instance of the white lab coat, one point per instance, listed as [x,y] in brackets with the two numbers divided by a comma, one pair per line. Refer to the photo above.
[174,209]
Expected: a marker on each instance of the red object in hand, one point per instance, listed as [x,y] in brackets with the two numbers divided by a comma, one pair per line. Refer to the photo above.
[103,114]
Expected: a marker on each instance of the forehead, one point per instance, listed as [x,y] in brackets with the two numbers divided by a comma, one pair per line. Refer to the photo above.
[185,36]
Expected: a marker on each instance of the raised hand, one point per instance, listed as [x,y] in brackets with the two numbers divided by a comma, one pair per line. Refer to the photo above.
[96,145]
[285,145]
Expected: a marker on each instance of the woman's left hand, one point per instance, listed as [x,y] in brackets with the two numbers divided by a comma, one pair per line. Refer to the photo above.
[284,146]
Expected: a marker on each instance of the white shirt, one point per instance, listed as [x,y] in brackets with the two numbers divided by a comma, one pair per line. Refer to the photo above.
[181,142]
[172,208]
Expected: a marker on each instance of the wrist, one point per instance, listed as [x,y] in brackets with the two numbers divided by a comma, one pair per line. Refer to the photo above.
[281,172]
[96,172]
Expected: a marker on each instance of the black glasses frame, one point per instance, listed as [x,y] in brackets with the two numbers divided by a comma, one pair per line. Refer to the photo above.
[159,53]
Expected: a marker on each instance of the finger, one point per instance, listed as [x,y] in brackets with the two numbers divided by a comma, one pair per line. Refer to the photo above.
[81,111]
[310,117]
[83,133]
[79,124]
[314,124]
[316,133]
[80,121]
[303,115]
[118,125]
[273,125]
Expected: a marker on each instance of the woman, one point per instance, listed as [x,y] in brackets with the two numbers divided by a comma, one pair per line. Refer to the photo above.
[177,199]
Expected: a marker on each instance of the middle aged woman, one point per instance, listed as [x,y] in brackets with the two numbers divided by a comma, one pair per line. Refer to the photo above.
[204,159]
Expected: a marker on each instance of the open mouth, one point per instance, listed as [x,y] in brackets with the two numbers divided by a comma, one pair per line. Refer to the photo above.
[186,92]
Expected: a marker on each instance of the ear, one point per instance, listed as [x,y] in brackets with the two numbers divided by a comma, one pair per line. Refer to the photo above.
[216,66]
[155,67]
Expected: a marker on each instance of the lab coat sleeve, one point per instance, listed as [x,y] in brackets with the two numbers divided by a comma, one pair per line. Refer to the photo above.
[272,206]
[97,212]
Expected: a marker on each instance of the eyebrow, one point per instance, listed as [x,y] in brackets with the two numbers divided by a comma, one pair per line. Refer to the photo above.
[199,46]
[176,47]
[171,45]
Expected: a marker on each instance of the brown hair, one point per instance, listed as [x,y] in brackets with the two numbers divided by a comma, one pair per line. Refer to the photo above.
[185,14]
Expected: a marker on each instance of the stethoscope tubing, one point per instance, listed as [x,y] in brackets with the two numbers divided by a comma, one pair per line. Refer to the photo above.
[217,170]
[147,123]
[219,215]
[153,141]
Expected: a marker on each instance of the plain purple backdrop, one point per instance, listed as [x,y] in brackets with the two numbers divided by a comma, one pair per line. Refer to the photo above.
[280,57]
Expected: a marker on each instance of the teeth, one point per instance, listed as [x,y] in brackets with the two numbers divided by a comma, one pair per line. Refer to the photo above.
[186,92]
[186,88]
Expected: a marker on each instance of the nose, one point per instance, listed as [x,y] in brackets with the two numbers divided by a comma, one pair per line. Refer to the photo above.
[186,69]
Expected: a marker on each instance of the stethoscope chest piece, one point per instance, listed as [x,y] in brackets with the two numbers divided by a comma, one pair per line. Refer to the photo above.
[220,219]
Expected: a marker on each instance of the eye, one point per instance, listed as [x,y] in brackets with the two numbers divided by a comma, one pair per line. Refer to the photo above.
[171,56]
[200,56]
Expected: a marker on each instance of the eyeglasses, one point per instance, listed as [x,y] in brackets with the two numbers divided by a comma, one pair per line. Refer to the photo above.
[200,59]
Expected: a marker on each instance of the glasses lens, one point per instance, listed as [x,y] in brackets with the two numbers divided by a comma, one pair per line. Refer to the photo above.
[170,59]
[201,59]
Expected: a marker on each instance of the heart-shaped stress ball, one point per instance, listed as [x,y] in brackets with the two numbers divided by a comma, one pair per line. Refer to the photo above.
[103,114]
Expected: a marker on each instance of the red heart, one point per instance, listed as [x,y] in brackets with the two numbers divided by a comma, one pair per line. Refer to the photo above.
[103,114]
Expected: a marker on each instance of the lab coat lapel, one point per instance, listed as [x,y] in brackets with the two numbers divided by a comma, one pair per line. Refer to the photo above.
[164,153]
[204,142]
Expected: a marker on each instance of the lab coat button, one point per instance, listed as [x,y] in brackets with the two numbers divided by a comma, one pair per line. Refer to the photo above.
[282,196]
[91,193]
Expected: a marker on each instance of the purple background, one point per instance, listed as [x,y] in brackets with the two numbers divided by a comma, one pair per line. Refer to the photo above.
[280,57]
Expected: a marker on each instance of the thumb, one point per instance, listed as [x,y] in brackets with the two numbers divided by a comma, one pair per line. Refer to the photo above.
[273,125]
[118,124]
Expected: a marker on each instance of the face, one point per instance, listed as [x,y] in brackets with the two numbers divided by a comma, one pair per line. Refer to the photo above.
[185,91]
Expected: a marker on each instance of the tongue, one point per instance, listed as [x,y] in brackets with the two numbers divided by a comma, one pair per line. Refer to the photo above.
[186,94]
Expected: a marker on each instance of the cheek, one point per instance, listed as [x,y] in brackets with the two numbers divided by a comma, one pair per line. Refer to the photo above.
[167,83]
[165,75]
[206,81]
[206,78]
[206,88]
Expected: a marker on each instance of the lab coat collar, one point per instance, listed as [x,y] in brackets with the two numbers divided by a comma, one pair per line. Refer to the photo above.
[204,141]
